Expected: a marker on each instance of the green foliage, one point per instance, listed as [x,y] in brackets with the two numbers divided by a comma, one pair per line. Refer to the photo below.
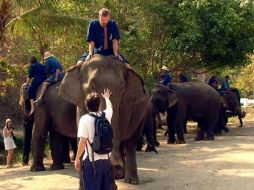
[210,33]
[187,36]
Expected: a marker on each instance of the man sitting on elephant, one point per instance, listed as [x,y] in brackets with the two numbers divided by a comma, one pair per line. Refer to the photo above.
[103,37]
[225,87]
[37,75]
[54,71]
[166,79]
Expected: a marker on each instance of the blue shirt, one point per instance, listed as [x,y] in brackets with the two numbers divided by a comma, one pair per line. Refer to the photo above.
[95,32]
[225,86]
[52,64]
[166,79]
[37,71]
[212,80]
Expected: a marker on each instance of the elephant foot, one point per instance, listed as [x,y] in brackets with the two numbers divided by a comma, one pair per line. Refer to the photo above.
[151,149]
[119,172]
[171,141]
[209,138]
[180,141]
[37,168]
[132,179]
[57,167]
[67,160]
[240,126]
[225,129]
[243,114]
[157,143]
[199,138]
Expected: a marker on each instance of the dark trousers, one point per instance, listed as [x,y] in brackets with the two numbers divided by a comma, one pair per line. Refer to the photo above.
[98,179]
[27,130]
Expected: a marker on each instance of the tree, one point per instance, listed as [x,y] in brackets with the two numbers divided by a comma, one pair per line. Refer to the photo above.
[209,33]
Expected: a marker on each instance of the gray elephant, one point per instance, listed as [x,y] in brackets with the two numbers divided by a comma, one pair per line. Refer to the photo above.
[54,115]
[231,102]
[129,99]
[187,101]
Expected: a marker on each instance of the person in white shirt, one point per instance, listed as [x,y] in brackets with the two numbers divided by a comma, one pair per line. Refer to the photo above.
[9,143]
[102,180]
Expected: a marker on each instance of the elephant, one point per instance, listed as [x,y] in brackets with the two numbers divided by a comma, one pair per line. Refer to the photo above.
[187,101]
[129,99]
[231,102]
[54,115]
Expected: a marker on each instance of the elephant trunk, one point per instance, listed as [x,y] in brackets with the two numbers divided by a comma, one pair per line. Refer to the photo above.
[115,157]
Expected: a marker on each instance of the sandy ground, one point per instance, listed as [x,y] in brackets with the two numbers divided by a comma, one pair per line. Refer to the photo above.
[224,164]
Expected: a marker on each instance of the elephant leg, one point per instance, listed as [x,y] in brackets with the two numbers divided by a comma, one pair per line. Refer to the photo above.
[240,115]
[200,132]
[74,147]
[140,143]
[157,143]
[171,127]
[159,121]
[180,132]
[210,130]
[66,149]
[40,132]
[240,120]
[57,144]
[116,160]
[150,133]
[27,131]
[131,174]
[185,127]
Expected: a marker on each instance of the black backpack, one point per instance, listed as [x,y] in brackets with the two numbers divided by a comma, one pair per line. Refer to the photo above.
[103,136]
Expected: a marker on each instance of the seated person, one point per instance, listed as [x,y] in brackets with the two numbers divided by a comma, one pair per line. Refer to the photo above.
[182,78]
[225,87]
[54,71]
[214,82]
[166,79]
[36,74]
[103,37]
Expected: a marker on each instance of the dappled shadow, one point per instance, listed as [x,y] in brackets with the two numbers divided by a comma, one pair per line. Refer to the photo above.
[13,176]
[226,163]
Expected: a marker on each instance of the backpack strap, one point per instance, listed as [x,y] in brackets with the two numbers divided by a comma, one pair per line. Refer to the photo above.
[96,116]
[94,171]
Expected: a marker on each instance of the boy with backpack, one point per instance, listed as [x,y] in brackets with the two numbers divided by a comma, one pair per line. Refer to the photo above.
[96,137]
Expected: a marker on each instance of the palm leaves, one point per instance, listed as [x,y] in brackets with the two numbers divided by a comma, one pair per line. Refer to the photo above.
[27,15]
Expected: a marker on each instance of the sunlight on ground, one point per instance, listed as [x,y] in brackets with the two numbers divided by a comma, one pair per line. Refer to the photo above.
[237,172]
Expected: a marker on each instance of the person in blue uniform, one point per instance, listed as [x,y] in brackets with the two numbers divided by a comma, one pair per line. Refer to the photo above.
[103,37]
[54,72]
[182,78]
[214,82]
[166,79]
[225,86]
[36,76]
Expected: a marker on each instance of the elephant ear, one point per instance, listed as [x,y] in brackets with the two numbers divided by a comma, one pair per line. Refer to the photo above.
[70,88]
[23,95]
[172,98]
[134,88]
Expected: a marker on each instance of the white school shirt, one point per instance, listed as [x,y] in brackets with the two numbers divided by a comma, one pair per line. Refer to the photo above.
[86,129]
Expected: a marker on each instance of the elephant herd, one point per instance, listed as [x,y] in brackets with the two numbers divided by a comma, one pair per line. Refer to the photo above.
[134,111]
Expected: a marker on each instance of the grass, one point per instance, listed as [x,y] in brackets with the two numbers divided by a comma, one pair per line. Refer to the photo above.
[18,152]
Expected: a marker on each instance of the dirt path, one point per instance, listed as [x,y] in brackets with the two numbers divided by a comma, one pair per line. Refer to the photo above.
[226,163]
